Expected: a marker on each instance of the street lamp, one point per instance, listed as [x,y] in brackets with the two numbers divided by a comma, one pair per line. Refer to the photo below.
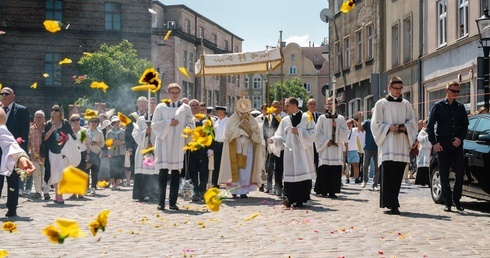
[483,23]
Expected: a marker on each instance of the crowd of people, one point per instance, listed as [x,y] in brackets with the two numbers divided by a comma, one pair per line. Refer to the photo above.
[281,150]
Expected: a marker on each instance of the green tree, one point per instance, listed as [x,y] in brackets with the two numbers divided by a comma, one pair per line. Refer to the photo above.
[120,68]
[292,88]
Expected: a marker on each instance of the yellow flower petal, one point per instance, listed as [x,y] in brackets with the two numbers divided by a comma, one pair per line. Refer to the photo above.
[144,151]
[69,228]
[34,85]
[94,227]
[347,6]
[253,216]
[143,87]
[9,226]
[65,61]
[199,116]
[87,53]
[212,199]
[166,101]
[3,253]
[183,70]
[124,119]
[270,110]
[52,26]
[73,181]
[109,143]
[167,36]
[45,75]
[102,218]
[148,75]
[99,85]
[89,113]
[53,234]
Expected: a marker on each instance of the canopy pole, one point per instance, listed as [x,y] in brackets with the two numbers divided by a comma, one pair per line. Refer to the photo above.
[203,78]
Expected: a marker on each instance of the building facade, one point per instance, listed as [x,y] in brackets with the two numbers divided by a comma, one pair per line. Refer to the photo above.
[193,34]
[28,51]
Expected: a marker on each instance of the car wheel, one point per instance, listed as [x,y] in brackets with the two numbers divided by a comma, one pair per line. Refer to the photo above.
[435,186]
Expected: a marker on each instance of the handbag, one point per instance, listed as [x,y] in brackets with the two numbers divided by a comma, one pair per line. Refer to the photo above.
[127,160]
[71,151]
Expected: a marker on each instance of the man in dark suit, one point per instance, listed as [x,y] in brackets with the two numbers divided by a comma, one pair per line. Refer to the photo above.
[18,125]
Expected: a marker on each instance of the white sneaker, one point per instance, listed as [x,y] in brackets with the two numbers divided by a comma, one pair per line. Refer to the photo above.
[375,188]
[92,190]
[407,182]
[363,184]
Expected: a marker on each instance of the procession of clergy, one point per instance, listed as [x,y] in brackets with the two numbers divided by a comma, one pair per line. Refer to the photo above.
[249,151]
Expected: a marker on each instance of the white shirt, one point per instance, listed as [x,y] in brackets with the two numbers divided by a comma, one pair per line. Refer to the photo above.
[352,140]
[219,129]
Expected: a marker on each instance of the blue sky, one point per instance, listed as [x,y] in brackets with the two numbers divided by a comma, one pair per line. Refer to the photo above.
[258,22]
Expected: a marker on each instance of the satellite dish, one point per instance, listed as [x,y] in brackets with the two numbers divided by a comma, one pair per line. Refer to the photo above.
[326,15]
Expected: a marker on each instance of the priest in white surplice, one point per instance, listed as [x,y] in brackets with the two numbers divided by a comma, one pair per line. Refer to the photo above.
[394,130]
[145,186]
[167,124]
[332,132]
[242,160]
[297,131]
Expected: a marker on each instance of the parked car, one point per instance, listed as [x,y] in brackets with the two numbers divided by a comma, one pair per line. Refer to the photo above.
[476,182]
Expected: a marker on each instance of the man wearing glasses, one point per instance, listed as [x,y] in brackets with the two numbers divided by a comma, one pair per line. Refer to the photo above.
[394,130]
[168,122]
[18,125]
[447,141]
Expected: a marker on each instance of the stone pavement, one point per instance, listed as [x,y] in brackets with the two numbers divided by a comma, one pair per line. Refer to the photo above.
[351,226]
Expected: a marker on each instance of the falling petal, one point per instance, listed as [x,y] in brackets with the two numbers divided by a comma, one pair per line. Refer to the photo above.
[166,101]
[45,75]
[252,217]
[69,228]
[89,114]
[52,26]
[34,85]
[143,87]
[3,253]
[109,143]
[87,53]
[124,119]
[67,26]
[149,162]
[183,70]
[65,61]
[152,11]
[144,151]
[148,75]
[19,140]
[73,181]
[167,36]
[99,85]
[347,6]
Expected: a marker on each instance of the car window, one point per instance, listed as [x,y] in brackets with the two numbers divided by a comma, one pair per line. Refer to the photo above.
[483,127]
[471,128]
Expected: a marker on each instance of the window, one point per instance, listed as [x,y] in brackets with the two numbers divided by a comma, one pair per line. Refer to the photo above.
[54,10]
[215,39]
[236,49]
[354,106]
[369,105]
[216,97]
[463,18]
[191,62]
[52,68]
[483,127]
[293,57]
[370,42]
[201,32]
[395,46]
[246,82]
[257,102]
[184,59]
[233,79]
[307,87]
[484,4]
[407,95]
[112,16]
[338,56]
[463,96]
[226,44]
[407,39]
[315,58]
[257,83]
[187,26]
[441,22]
[359,47]
[293,70]
[347,52]
[190,90]
[209,95]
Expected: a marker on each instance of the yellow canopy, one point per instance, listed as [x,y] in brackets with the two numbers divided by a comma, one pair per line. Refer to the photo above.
[239,63]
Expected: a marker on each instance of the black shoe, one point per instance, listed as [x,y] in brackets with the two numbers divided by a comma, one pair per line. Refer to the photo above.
[357,181]
[11,214]
[233,195]
[174,207]
[243,196]
[47,197]
[196,198]
[267,191]
[333,196]
[395,211]
[299,205]
[459,207]
[161,208]
[286,203]
[447,208]
[261,188]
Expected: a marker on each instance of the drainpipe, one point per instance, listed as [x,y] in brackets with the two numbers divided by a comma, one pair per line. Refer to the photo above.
[421,90]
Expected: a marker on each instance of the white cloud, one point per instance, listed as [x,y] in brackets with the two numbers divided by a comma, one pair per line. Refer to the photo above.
[302,41]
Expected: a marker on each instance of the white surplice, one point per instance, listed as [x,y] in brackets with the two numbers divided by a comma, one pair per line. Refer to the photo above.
[333,155]
[169,143]
[10,151]
[143,140]
[298,155]
[425,147]
[393,146]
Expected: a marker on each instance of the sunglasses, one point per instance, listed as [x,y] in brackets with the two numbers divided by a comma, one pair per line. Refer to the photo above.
[75,120]
[454,91]
[56,110]
[4,94]
[396,88]
[94,121]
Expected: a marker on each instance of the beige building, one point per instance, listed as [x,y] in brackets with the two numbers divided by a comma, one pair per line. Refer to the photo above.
[452,45]
[192,34]
[309,65]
